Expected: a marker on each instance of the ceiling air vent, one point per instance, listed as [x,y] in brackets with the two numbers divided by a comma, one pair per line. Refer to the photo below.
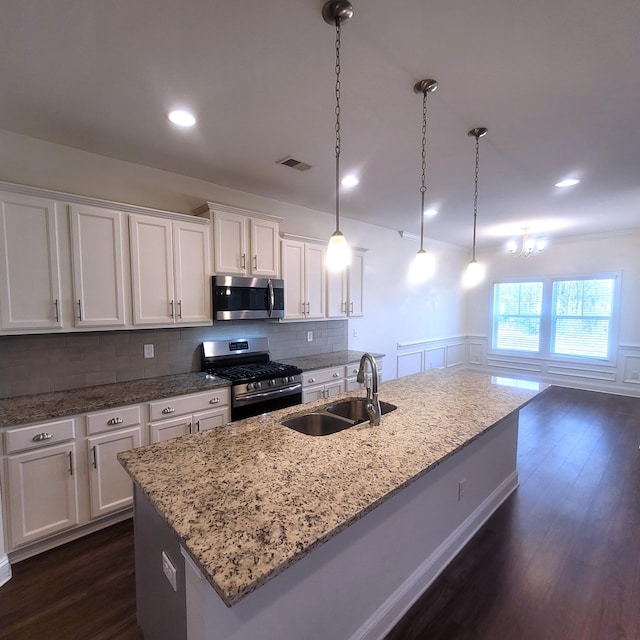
[294,164]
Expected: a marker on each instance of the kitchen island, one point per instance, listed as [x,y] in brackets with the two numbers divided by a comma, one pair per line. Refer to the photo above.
[285,535]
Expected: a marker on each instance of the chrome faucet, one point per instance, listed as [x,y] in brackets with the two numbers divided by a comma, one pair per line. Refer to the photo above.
[373,404]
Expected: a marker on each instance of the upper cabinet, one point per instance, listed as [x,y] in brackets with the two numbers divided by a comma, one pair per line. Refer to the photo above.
[30,280]
[100,273]
[345,289]
[304,279]
[170,271]
[244,242]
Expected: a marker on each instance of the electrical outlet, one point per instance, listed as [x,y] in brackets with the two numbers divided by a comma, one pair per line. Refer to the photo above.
[461,489]
[355,333]
[309,336]
[148,351]
[169,571]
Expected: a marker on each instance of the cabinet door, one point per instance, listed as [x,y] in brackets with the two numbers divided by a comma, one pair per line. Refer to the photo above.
[230,243]
[43,493]
[336,294]
[192,273]
[110,487]
[97,237]
[168,429]
[334,388]
[206,420]
[313,393]
[264,247]
[152,270]
[356,285]
[314,280]
[293,275]
[30,295]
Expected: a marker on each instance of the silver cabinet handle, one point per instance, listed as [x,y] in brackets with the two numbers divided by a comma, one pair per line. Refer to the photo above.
[113,421]
[95,457]
[55,305]
[351,307]
[167,410]
[70,463]
[171,304]
[255,261]
[244,260]
[344,307]
[215,400]
[179,308]
[308,307]
[42,436]
[311,380]
[198,426]
[79,310]
[336,374]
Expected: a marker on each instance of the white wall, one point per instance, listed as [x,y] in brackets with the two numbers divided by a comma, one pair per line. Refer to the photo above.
[395,311]
[575,256]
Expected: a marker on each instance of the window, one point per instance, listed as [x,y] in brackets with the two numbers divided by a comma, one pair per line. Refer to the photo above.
[582,315]
[516,316]
[553,316]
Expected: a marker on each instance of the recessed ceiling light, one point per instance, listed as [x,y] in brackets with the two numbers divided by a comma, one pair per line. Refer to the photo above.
[430,212]
[181,118]
[569,182]
[349,181]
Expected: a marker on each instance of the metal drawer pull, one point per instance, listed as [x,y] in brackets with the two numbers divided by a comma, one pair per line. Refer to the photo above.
[336,374]
[215,400]
[179,308]
[312,379]
[55,303]
[168,410]
[42,436]
[113,421]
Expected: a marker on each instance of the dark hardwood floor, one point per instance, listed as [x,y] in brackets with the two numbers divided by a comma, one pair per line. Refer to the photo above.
[560,560]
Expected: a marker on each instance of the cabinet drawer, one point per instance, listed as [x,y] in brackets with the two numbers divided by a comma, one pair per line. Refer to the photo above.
[181,405]
[117,418]
[351,370]
[322,376]
[39,435]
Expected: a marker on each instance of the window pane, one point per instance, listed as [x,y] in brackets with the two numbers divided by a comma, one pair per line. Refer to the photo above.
[517,308]
[582,317]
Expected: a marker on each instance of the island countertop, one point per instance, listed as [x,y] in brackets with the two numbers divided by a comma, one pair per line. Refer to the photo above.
[249,499]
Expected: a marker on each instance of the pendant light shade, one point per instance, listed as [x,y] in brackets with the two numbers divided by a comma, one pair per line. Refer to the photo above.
[335,12]
[423,265]
[474,273]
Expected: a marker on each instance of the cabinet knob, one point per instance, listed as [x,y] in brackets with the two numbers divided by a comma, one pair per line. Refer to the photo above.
[336,374]
[168,410]
[311,380]
[42,436]
[113,421]
[215,400]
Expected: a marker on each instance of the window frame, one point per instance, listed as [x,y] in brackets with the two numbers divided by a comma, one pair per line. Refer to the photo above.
[547,319]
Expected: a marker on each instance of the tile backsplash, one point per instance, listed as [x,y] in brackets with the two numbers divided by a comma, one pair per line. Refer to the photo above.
[55,362]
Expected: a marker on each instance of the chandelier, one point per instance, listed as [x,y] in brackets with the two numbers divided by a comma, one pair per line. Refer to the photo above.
[529,246]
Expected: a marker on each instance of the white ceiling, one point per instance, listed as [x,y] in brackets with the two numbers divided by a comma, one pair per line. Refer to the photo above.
[556,82]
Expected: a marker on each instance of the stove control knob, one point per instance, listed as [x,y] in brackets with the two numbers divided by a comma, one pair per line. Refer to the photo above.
[249,386]
[257,385]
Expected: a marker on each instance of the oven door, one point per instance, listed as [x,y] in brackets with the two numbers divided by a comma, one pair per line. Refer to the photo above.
[254,403]
[238,298]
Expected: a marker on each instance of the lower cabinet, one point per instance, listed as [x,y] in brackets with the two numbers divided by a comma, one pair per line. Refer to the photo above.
[322,383]
[351,372]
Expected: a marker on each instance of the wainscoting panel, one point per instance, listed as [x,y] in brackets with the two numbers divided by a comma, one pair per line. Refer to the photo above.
[455,354]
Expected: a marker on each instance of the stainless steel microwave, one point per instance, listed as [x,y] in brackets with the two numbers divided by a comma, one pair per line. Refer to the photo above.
[240,298]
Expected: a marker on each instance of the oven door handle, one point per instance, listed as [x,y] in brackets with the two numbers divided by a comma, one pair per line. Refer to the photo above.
[273,392]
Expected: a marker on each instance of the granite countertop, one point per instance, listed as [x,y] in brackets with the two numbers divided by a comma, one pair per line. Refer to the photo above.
[249,499]
[45,406]
[325,360]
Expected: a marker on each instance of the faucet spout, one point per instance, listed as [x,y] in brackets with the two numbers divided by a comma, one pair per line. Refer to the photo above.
[373,404]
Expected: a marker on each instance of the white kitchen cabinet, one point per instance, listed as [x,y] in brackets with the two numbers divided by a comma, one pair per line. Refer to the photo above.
[304,275]
[100,276]
[41,481]
[322,383]
[243,243]
[170,271]
[182,415]
[345,289]
[118,429]
[30,263]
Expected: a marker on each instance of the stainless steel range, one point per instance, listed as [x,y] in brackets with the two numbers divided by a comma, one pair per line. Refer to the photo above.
[258,383]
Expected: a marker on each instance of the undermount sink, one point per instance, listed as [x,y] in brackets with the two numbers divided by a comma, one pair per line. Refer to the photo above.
[317,424]
[334,417]
[356,409]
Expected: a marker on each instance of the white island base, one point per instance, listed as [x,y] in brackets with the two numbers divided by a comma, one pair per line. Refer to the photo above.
[359,583]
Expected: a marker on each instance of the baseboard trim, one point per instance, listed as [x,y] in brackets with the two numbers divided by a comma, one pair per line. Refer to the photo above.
[388,615]
[5,570]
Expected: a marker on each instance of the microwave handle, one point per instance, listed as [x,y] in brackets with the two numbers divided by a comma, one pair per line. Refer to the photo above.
[272,299]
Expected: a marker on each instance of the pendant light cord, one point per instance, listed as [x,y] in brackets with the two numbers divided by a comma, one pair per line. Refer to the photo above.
[423,188]
[337,111]
[475,197]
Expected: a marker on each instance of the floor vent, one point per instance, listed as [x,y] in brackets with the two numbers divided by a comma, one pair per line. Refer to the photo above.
[294,164]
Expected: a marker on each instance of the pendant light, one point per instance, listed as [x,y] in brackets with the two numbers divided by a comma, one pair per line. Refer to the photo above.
[335,12]
[475,271]
[423,265]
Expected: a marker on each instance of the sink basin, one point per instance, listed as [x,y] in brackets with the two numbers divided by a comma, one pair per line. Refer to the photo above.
[317,424]
[356,409]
